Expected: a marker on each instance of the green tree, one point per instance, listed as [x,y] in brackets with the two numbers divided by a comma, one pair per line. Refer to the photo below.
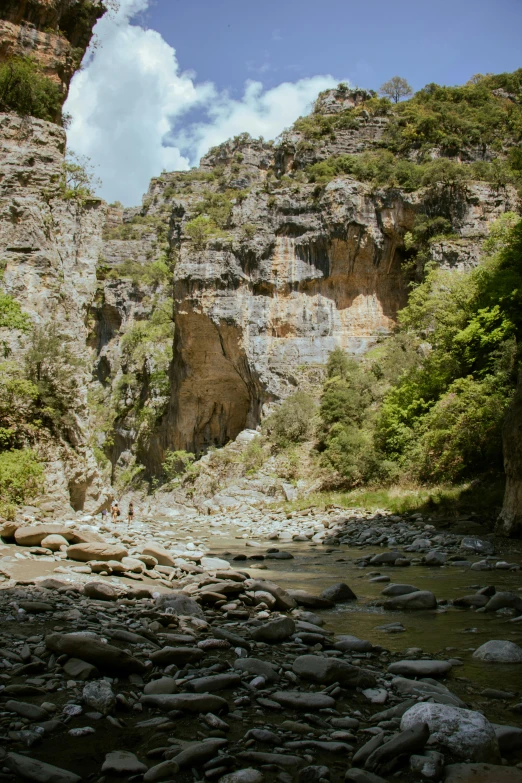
[292,421]
[79,180]
[396,88]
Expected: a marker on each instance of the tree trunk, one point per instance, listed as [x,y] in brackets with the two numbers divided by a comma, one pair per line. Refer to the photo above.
[509,522]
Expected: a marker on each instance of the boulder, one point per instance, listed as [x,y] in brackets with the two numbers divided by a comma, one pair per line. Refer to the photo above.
[421,668]
[297,700]
[504,600]
[338,593]
[302,598]
[76,669]
[122,762]
[54,542]
[407,742]
[499,651]
[96,551]
[256,667]
[284,602]
[398,589]
[99,696]
[420,599]
[179,604]
[163,556]
[465,734]
[104,656]
[38,771]
[33,535]
[325,671]
[101,591]
[477,545]
[274,631]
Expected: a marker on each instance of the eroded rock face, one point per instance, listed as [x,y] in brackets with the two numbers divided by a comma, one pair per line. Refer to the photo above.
[50,247]
[54,33]
[510,520]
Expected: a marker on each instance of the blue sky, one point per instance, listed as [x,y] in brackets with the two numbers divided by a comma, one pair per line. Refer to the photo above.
[170,78]
[444,41]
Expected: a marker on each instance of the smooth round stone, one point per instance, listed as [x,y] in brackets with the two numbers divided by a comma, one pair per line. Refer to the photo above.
[499,651]
[420,668]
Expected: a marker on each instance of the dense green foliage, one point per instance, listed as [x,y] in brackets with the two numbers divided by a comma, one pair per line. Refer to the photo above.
[382,168]
[176,463]
[292,421]
[24,90]
[21,475]
[11,315]
[429,404]
[478,115]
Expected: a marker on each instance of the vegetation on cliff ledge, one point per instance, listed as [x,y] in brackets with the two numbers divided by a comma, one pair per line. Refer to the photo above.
[429,403]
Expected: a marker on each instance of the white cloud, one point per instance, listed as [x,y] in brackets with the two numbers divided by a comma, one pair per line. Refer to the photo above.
[128,102]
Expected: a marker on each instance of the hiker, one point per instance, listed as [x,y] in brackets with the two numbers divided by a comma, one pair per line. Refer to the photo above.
[130,512]
[115,511]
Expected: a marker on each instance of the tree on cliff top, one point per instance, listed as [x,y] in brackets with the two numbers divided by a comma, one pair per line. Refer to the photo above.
[396,88]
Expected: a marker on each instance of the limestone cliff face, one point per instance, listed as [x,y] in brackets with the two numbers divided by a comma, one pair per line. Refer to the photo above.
[294,274]
[49,249]
[55,33]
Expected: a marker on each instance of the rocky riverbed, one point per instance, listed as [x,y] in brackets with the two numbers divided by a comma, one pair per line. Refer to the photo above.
[311,646]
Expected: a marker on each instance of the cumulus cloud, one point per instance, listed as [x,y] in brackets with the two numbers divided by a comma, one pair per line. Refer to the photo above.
[129,102]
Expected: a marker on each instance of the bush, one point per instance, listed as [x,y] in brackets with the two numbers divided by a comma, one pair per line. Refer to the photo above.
[24,90]
[155,274]
[292,422]
[21,478]
[176,463]
[201,230]
[11,315]
[253,457]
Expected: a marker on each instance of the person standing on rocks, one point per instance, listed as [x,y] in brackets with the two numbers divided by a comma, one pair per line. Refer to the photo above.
[115,511]
[130,513]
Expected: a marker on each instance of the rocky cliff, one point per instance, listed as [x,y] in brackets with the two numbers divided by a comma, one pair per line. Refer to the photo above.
[271,272]
[50,242]
[198,311]
[54,33]
[49,247]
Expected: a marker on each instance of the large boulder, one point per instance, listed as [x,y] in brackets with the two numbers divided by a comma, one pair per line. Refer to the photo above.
[53,542]
[325,671]
[504,600]
[96,551]
[338,593]
[33,535]
[509,522]
[420,599]
[422,668]
[163,556]
[499,651]
[105,657]
[465,734]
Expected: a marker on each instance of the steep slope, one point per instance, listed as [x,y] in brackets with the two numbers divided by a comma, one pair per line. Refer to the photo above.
[50,242]
[280,257]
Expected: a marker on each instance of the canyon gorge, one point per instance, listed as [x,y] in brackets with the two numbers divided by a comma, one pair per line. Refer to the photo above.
[193,315]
